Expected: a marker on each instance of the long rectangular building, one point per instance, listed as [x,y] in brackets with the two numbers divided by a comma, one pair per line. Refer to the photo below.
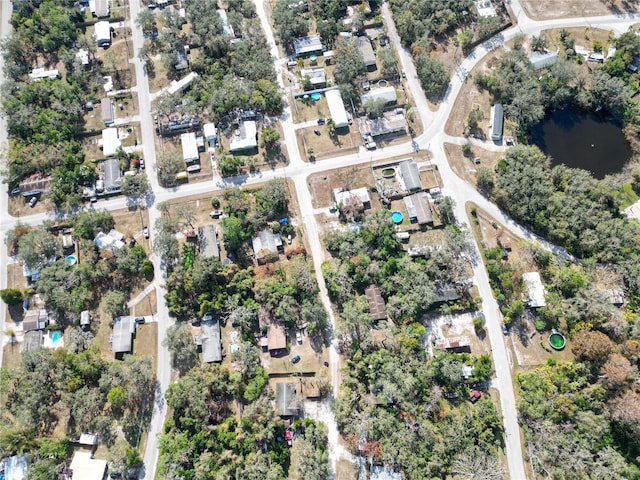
[189,147]
[336,108]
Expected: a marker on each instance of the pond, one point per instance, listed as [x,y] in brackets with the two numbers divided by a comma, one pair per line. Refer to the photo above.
[582,140]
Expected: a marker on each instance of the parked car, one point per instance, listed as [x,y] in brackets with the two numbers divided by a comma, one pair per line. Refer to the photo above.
[15,191]
[145,231]
[317,132]
[504,329]
[321,121]
[215,213]
[299,336]
[288,436]
[404,74]
[139,320]
[295,359]
[142,165]
[283,221]
[289,239]
[475,396]
[33,201]
[383,41]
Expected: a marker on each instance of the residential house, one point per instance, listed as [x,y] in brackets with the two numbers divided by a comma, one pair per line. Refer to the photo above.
[208,241]
[541,60]
[306,46]
[122,337]
[40,74]
[102,33]
[382,472]
[349,198]
[112,176]
[189,148]
[15,467]
[484,8]
[33,340]
[182,60]
[211,134]
[535,289]
[497,121]
[113,239]
[388,94]
[366,50]
[245,138]
[88,439]
[317,77]
[286,401]
[276,338]
[336,108]
[110,141]
[455,345]
[35,319]
[99,8]
[179,85]
[211,339]
[410,175]
[108,111]
[418,208]
[389,124]
[83,56]
[227,28]
[377,307]
[85,467]
[445,293]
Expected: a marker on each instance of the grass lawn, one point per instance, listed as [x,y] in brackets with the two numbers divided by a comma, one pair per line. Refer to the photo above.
[146,342]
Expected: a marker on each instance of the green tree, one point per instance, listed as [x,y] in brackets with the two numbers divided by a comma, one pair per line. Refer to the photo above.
[375,107]
[114,303]
[433,75]
[234,233]
[11,296]
[484,179]
[270,139]
[169,165]
[349,63]
[135,185]
[117,397]
[179,341]
[38,247]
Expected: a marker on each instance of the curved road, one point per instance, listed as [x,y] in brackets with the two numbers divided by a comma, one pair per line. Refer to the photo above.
[298,171]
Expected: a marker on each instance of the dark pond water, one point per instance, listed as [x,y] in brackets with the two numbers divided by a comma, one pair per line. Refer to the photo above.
[582,140]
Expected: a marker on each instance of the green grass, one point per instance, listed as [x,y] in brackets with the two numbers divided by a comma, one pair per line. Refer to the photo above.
[626,196]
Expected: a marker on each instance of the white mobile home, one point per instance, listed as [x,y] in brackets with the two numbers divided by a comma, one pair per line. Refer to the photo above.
[103,33]
[189,147]
[497,121]
[336,108]
[211,134]
[246,137]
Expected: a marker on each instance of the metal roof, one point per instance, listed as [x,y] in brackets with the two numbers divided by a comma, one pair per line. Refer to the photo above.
[108,111]
[497,121]
[368,55]
[276,337]
[122,336]
[110,141]
[307,45]
[410,175]
[386,93]
[245,137]
[336,108]
[377,307]
[189,147]
[535,289]
[418,208]
[211,340]
[208,241]
[286,399]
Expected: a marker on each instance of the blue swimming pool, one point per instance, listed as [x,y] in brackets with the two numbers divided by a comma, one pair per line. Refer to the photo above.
[55,336]
[397,217]
[315,96]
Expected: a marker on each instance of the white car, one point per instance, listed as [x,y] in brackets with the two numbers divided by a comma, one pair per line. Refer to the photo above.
[299,336]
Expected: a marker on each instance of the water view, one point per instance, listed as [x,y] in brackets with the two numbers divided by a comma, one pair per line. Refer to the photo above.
[582,140]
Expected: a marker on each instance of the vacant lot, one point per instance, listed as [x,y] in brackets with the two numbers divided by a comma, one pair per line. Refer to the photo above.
[544,9]
[318,147]
[465,166]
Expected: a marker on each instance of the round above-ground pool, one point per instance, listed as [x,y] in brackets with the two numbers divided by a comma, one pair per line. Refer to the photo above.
[315,96]
[388,172]
[557,341]
[397,216]
[71,260]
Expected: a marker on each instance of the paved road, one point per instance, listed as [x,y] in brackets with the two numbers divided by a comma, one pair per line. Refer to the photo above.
[298,171]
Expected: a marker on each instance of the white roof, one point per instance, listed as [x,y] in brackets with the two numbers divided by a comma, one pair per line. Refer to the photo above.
[83,55]
[110,141]
[343,196]
[485,9]
[245,138]
[541,60]
[227,29]
[102,32]
[336,108]
[386,93]
[535,289]
[209,130]
[104,240]
[177,86]
[86,468]
[15,468]
[40,73]
[189,147]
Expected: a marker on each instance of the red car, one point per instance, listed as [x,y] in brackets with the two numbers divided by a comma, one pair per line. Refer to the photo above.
[475,396]
[288,436]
